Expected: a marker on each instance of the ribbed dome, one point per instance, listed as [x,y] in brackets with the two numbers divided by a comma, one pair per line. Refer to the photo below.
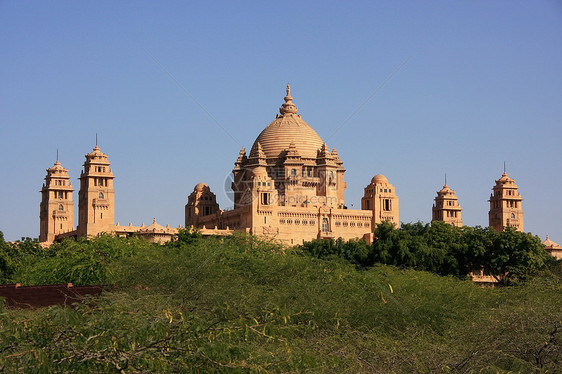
[286,129]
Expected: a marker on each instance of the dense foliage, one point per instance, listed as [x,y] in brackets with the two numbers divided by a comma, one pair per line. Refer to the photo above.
[443,249]
[246,305]
[82,262]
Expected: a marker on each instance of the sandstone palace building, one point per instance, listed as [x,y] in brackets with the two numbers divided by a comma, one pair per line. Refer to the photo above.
[290,187]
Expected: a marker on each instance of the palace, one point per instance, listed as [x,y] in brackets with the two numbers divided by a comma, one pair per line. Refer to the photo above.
[290,187]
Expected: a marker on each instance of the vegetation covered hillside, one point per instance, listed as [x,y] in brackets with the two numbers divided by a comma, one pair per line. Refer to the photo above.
[239,304]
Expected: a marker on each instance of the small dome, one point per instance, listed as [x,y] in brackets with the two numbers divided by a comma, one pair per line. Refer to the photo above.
[379,179]
[201,187]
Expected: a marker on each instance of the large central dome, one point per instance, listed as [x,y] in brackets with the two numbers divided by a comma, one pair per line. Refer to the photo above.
[289,128]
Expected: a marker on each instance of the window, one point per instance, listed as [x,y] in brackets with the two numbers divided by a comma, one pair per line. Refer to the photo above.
[324,224]
[293,172]
[100,195]
[513,215]
[61,207]
[386,205]
[265,198]
[60,194]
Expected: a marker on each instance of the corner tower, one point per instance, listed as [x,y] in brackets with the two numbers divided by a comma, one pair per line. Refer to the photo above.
[56,214]
[96,198]
[380,197]
[505,205]
[201,202]
[446,207]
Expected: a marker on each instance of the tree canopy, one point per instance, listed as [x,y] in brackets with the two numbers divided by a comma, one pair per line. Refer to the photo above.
[443,249]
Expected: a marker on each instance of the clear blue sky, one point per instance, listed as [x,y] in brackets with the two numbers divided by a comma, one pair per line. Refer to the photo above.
[482,85]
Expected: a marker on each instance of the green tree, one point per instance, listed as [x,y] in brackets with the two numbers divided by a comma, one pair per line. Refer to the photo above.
[512,255]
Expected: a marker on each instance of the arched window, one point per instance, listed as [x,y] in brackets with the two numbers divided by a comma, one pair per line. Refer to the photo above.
[324,224]
[512,215]
[293,172]
[61,207]
[100,195]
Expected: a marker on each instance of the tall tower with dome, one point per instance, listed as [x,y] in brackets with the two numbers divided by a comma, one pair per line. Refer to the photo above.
[380,197]
[96,198]
[56,214]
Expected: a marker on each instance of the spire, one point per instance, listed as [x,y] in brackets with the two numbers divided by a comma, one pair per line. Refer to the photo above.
[288,107]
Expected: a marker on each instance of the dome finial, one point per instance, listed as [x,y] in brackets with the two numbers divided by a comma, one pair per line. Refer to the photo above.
[288,107]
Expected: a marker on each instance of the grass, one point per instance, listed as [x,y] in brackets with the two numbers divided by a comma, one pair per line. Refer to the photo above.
[241,305]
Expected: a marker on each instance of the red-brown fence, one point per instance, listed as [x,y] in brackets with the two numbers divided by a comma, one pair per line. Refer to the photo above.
[41,296]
